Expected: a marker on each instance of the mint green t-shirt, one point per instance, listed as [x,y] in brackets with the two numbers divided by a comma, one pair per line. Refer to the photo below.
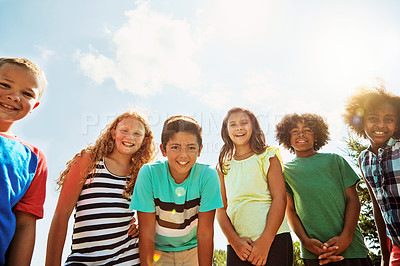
[176,206]
[248,194]
[317,185]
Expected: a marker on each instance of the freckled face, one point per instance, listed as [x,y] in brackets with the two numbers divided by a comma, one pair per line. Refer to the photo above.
[128,136]
[379,126]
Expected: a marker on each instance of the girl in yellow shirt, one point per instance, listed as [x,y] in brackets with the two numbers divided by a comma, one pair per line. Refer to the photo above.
[254,196]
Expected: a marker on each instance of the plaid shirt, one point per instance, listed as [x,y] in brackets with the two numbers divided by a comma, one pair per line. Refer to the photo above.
[383,175]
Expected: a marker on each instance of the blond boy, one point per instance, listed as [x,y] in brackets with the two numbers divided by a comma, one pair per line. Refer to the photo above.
[23,168]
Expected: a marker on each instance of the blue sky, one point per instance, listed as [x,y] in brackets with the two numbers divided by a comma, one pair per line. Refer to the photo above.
[197,58]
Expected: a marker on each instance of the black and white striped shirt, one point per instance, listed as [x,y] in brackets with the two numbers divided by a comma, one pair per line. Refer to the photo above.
[102,217]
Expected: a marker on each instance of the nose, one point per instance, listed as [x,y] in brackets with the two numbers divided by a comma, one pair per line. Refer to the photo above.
[12,96]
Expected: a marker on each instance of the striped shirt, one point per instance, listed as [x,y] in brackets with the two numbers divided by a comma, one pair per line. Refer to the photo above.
[102,217]
[176,206]
[383,175]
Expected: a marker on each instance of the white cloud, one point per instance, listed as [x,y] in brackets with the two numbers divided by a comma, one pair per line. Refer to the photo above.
[218,97]
[44,52]
[151,50]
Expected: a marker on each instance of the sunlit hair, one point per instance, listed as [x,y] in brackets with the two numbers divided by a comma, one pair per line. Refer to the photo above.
[257,139]
[180,123]
[31,67]
[367,100]
[105,145]
[313,121]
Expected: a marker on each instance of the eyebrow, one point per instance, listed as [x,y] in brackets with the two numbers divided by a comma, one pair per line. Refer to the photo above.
[179,144]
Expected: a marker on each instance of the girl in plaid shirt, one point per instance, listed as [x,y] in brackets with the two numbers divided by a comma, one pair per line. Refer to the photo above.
[374,114]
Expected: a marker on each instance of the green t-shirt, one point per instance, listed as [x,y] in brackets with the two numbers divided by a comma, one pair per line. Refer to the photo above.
[317,185]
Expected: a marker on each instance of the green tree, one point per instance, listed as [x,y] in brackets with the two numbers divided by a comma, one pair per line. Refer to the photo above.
[297,261]
[219,257]
[367,224]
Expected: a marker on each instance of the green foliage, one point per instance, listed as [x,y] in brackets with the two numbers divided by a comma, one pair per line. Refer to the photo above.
[366,222]
[219,257]
[297,261]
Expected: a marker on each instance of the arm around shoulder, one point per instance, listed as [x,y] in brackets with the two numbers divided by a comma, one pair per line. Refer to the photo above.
[69,195]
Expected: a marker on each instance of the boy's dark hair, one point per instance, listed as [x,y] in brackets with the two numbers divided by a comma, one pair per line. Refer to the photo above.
[367,100]
[180,123]
[315,122]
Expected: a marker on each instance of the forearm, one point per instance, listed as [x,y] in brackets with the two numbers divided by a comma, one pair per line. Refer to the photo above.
[379,223]
[275,217]
[381,228]
[147,222]
[21,248]
[352,213]
[146,250]
[205,248]
[226,226]
[296,224]
[56,240]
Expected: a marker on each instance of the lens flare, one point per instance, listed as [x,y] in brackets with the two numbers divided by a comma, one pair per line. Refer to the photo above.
[356,120]
[180,191]
[156,255]
[360,112]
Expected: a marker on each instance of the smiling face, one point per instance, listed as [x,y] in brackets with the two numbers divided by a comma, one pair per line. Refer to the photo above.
[182,150]
[128,136]
[19,94]
[240,128]
[380,125]
[302,139]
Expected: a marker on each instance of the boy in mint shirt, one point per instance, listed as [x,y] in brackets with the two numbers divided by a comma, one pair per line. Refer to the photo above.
[176,200]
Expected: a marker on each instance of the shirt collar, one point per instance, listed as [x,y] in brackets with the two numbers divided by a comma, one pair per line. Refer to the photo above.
[389,144]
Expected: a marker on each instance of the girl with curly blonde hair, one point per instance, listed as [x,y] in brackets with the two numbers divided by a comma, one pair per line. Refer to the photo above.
[98,182]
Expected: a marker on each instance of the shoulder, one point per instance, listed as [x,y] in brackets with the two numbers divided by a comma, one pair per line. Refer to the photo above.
[155,166]
[159,169]
[204,169]
[269,153]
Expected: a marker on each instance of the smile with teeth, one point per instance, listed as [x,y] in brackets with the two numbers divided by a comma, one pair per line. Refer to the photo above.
[379,132]
[240,134]
[182,163]
[8,106]
[128,144]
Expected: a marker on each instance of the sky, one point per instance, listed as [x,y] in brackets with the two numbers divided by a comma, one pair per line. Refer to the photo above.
[197,58]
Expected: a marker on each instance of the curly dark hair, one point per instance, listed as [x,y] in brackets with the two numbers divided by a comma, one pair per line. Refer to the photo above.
[315,122]
[365,100]
[257,139]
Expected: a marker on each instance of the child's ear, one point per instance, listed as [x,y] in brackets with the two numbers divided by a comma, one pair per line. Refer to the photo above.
[164,153]
[201,147]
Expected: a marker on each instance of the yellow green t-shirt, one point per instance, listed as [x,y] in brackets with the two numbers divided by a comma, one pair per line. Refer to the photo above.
[248,194]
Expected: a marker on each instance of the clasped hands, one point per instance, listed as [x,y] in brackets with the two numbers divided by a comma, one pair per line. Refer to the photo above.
[329,251]
[254,252]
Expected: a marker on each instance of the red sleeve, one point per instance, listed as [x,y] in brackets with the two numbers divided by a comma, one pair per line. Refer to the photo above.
[33,200]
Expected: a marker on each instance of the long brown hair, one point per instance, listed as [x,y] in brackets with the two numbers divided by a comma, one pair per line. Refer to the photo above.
[257,139]
[105,145]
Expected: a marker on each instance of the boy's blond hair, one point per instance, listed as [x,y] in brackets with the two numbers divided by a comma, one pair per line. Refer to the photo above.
[31,67]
